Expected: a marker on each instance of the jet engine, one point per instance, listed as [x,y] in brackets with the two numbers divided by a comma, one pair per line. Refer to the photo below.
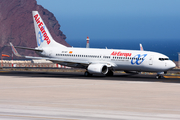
[97,69]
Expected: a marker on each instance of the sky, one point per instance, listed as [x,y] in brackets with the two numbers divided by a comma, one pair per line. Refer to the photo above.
[112,20]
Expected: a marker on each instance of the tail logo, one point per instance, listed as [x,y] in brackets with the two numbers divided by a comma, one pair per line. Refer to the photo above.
[40,39]
[42,32]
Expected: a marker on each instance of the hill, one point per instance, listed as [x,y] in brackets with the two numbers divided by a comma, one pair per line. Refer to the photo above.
[16,25]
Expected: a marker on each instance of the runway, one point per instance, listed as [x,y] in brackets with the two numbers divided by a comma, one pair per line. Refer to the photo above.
[80,75]
[71,96]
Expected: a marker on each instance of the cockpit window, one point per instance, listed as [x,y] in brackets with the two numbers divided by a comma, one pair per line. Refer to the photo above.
[162,59]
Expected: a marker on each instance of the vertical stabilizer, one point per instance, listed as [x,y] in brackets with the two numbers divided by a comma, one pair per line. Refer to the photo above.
[43,36]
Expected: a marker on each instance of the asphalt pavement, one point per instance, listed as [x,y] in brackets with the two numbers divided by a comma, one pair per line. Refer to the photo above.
[71,96]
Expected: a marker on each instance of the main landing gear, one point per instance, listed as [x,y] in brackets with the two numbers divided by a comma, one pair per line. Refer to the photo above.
[87,74]
[110,73]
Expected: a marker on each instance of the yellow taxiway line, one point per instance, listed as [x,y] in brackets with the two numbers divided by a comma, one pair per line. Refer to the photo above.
[172,76]
[4,71]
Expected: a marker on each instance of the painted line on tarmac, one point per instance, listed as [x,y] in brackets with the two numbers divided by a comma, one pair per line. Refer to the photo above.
[4,71]
[172,76]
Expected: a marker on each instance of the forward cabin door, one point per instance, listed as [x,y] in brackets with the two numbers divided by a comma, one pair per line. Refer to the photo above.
[151,60]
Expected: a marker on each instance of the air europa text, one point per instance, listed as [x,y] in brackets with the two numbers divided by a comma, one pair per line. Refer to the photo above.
[121,54]
[40,25]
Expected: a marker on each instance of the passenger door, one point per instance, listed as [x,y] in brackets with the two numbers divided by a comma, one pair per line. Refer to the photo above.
[151,60]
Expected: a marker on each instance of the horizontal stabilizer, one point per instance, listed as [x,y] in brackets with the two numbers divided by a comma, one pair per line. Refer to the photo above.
[28,48]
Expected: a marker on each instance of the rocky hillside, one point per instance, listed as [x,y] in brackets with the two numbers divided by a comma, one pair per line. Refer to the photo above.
[16,25]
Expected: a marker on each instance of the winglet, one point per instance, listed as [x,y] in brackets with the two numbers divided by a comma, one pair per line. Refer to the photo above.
[141,48]
[15,51]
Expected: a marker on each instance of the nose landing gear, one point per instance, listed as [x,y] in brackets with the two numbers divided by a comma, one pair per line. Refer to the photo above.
[159,75]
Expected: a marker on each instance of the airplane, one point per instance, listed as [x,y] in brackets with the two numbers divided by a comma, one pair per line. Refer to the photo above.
[95,61]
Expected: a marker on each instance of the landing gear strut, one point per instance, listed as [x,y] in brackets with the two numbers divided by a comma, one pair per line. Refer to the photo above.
[87,74]
[110,73]
[159,75]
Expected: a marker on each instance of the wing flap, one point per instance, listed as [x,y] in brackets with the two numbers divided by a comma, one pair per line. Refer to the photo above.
[56,60]
[68,61]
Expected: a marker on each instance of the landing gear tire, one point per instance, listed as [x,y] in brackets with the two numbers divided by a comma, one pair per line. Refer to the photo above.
[110,73]
[158,77]
[87,74]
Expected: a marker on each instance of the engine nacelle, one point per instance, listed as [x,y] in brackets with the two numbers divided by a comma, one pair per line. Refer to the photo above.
[97,69]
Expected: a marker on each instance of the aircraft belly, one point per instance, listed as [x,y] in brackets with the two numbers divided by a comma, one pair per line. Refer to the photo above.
[126,65]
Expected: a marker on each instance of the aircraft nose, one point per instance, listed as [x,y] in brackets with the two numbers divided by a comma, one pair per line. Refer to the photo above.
[172,65]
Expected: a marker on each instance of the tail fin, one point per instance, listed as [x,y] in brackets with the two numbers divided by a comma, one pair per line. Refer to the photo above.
[43,37]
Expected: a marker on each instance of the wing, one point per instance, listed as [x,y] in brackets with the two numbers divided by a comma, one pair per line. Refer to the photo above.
[67,62]
[141,48]
[55,60]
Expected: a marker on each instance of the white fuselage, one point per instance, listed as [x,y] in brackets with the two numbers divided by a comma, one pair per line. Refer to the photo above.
[117,59]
